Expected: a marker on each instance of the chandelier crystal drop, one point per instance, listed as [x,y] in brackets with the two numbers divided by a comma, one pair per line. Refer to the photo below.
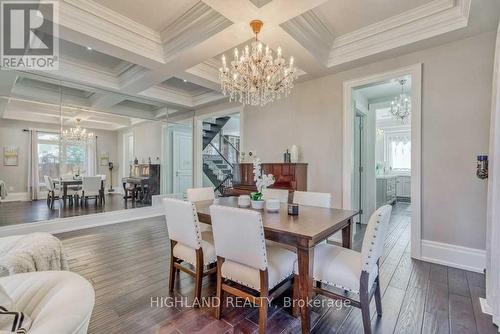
[401,105]
[77,135]
[256,76]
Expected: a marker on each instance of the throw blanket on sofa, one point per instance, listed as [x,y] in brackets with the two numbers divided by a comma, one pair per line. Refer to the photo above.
[32,252]
[3,190]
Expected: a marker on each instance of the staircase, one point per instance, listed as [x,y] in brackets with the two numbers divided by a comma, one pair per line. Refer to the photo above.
[217,164]
[211,128]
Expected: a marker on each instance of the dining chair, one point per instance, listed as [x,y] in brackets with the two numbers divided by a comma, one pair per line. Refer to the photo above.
[91,187]
[322,200]
[309,198]
[52,188]
[268,270]
[103,186]
[201,194]
[356,272]
[279,194]
[187,243]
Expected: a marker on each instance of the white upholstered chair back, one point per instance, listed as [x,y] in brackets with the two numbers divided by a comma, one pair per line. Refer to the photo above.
[182,222]
[200,194]
[239,236]
[279,194]
[48,183]
[323,200]
[91,185]
[373,241]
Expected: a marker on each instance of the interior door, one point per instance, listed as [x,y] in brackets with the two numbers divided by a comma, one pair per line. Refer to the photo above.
[182,161]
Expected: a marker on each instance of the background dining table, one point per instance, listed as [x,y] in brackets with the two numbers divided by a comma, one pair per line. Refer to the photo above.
[65,183]
[311,226]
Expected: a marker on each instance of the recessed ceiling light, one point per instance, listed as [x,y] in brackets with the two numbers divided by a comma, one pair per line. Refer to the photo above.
[185,80]
[89,48]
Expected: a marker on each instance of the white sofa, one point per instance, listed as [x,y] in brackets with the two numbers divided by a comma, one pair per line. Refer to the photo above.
[57,301]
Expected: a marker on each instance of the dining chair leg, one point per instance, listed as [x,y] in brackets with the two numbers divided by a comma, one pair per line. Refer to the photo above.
[219,293]
[295,296]
[364,300]
[48,199]
[263,305]
[173,271]
[199,276]
[378,298]
[52,200]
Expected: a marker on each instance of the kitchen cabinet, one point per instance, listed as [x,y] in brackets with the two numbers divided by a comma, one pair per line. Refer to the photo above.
[386,190]
[403,186]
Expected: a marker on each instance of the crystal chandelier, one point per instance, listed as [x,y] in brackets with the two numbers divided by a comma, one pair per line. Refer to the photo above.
[77,135]
[401,105]
[255,77]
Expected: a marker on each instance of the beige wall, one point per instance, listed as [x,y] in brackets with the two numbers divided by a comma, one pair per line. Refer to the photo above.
[455,128]
[16,177]
[147,143]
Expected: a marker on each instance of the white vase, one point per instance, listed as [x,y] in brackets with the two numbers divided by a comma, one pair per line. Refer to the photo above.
[258,205]
[294,154]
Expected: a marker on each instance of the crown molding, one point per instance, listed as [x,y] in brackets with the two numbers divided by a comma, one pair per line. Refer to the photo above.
[167,95]
[97,21]
[84,75]
[196,25]
[429,20]
[208,70]
[205,98]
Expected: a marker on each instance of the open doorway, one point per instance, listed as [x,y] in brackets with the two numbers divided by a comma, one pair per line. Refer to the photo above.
[382,149]
[220,150]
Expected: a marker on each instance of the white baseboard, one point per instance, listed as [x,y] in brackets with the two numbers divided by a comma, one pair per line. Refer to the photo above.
[471,259]
[16,197]
[60,225]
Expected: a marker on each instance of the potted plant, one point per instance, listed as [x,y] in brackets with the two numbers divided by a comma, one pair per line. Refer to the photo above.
[262,181]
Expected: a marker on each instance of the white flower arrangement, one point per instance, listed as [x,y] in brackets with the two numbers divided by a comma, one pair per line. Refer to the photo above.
[262,181]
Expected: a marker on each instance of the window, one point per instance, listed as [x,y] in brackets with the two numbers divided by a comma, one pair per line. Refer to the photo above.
[56,158]
[398,151]
[128,152]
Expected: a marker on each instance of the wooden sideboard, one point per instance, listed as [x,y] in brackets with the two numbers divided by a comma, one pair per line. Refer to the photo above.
[291,176]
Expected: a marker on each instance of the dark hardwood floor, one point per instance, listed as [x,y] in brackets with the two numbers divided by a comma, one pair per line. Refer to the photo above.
[22,212]
[128,264]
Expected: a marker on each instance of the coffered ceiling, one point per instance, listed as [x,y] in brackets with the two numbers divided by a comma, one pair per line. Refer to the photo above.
[166,52]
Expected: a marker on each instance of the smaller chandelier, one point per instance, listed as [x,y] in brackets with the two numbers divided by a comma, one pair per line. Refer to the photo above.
[254,76]
[401,105]
[77,134]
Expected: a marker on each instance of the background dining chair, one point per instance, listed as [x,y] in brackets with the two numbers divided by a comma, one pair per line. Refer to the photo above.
[279,194]
[201,194]
[248,261]
[356,272]
[322,200]
[188,243]
[91,187]
[309,198]
[53,191]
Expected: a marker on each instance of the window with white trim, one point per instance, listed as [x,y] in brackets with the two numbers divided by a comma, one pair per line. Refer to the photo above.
[398,150]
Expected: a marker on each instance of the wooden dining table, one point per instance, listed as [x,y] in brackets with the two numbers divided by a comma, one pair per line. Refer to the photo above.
[311,226]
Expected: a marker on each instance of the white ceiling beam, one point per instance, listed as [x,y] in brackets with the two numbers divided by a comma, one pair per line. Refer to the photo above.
[105,100]
[198,77]
[7,82]
[279,11]
[276,37]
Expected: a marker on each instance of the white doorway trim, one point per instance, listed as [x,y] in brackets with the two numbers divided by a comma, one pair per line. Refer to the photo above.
[415,71]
